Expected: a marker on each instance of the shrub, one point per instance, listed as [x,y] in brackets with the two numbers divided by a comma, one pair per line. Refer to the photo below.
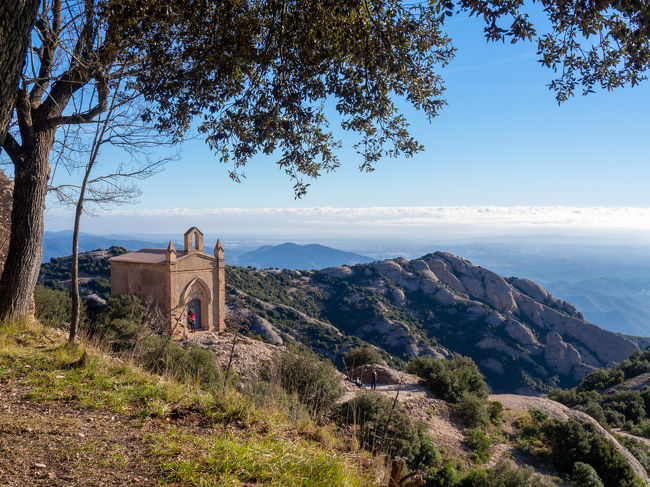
[445,476]
[479,444]
[476,478]
[538,415]
[449,379]
[315,381]
[640,450]
[383,428]
[630,404]
[495,412]
[428,455]
[187,363]
[571,442]
[378,421]
[601,379]
[645,394]
[594,410]
[503,475]
[125,306]
[362,356]
[53,307]
[584,475]
[472,411]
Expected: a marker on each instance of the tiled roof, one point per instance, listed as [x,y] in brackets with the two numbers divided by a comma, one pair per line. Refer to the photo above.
[146,256]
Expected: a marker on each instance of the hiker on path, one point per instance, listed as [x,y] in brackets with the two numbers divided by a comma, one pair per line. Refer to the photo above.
[373,383]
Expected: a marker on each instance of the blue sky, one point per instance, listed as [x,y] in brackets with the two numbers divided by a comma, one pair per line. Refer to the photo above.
[502,141]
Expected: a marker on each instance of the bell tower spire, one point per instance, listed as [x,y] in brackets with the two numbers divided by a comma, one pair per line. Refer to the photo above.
[170,255]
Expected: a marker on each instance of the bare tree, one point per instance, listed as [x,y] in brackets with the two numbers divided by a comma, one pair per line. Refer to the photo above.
[71,50]
[120,127]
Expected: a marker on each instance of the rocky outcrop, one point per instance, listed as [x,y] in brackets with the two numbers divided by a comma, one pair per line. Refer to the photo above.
[251,359]
[529,307]
[560,356]
[266,330]
[530,320]
[521,336]
[556,410]
[338,272]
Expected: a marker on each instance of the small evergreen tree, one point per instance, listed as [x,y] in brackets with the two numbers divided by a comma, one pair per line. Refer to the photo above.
[584,475]
[362,356]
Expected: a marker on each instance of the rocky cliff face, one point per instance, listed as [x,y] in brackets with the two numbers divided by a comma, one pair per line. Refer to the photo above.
[522,337]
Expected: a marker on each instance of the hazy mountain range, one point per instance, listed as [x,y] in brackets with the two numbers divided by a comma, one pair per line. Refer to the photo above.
[294,256]
[608,283]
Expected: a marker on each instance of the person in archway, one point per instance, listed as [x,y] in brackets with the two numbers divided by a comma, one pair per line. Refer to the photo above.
[191,319]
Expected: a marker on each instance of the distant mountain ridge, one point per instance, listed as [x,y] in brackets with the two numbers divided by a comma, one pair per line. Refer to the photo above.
[294,256]
[59,244]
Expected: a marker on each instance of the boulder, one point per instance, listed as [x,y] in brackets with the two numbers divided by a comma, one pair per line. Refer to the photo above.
[338,272]
[559,355]
[385,375]
[266,330]
[520,333]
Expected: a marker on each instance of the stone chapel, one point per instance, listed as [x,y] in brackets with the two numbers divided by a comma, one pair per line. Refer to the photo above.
[176,281]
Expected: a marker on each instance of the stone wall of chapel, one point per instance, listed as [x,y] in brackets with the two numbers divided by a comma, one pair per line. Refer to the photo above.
[197,270]
[173,284]
[145,280]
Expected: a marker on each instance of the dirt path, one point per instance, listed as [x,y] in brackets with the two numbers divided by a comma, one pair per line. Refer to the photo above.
[636,383]
[619,431]
[556,410]
[54,444]
[406,391]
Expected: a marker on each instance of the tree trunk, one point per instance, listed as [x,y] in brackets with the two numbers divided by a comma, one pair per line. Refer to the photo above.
[16,21]
[74,271]
[26,241]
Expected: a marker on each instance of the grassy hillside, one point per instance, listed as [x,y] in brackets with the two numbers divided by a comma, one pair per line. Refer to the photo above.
[137,408]
[80,417]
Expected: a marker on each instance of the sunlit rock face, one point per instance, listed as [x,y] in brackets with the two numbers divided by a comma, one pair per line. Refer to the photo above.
[522,338]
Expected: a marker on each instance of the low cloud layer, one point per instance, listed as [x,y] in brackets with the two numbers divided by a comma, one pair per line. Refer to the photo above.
[411,222]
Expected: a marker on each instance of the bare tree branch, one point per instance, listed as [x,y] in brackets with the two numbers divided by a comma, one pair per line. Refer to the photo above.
[13,149]
[49,37]
[89,115]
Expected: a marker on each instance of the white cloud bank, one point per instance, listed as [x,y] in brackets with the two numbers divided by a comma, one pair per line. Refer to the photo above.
[404,222]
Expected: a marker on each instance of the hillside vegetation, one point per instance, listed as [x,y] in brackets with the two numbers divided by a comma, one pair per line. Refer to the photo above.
[78,416]
[522,338]
[186,421]
[183,405]
[618,397]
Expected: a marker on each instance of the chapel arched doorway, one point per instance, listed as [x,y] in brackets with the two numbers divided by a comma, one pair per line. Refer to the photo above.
[196,298]
[195,306]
